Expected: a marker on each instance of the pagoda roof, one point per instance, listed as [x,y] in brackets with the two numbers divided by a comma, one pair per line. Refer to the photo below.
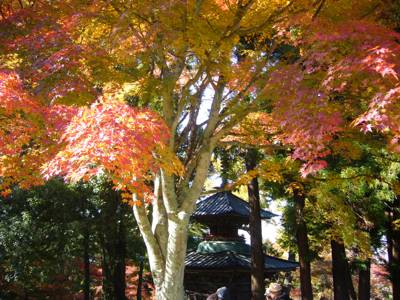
[227,260]
[231,255]
[228,205]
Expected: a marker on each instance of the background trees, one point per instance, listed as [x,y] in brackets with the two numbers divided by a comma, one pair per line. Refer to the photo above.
[52,234]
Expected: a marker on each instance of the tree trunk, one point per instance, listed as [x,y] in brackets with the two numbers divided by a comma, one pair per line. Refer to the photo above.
[393,240]
[107,286]
[394,269]
[395,274]
[166,236]
[140,281]
[113,243]
[120,253]
[86,261]
[168,269]
[303,247]
[342,283]
[364,281]
[172,285]
[257,255]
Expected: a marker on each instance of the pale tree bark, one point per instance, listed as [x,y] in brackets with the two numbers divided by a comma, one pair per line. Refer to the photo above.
[175,199]
[156,259]
[159,225]
[166,237]
[166,250]
[175,261]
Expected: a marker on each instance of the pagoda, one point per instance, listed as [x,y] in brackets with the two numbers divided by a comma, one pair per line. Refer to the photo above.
[223,258]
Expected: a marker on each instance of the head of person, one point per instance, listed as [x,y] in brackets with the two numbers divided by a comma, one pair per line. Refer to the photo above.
[223,293]
[274,291]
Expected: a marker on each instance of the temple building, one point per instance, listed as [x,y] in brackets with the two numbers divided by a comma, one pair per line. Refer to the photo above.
[223,258]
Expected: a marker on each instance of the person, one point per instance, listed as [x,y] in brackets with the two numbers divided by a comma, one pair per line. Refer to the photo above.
[221,293]
[275,292]
[212,296]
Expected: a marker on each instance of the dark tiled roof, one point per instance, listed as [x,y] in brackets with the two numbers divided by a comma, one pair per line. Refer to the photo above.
[231,260]
[224,204]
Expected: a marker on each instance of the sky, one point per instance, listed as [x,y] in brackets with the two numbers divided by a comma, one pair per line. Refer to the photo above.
[270,227]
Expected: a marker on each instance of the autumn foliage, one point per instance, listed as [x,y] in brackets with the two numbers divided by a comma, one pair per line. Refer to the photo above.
[109,137]
[119,88]
[114,139]
[347,76]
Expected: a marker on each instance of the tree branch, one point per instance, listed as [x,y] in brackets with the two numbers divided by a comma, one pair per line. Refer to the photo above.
[157,263]
[160,221]
[184,97]
[169,192]
[267,20]
[204,141]
[318,10]
[188,197]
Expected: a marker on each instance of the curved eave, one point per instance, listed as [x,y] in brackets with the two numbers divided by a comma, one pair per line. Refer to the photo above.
[224,261]
[226,205]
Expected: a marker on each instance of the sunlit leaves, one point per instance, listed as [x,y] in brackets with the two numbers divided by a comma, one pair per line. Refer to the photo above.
[111,138]
[19,114]
[257,129]
[348,75]
[28,132]
[269,171]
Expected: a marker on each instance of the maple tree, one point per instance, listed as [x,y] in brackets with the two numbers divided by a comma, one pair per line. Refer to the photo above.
[347,76]
[163,55]
[84,85]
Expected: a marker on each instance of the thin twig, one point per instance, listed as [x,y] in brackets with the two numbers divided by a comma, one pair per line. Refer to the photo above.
[319,8]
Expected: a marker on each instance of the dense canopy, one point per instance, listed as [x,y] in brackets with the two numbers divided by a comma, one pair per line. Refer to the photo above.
[145,94]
